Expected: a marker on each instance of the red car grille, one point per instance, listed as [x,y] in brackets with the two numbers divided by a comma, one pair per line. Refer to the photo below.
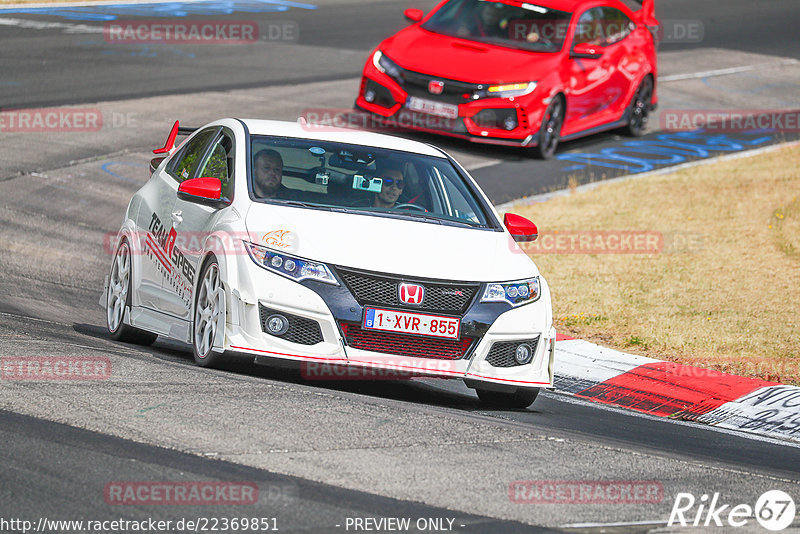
[405,345]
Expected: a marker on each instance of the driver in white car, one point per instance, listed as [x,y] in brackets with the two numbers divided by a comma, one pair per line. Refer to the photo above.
[393,184]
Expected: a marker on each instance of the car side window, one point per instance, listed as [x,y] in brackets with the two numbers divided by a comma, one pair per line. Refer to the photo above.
[602,26]
[616,25]
[219,164]
[186,162]
[586,29]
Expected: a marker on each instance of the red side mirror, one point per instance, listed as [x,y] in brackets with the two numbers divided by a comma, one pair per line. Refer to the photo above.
[414,15]
[520,228]
[586,50]
[201,188]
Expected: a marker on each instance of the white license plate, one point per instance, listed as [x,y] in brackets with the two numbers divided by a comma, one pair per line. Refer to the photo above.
[411,323]
[430,107]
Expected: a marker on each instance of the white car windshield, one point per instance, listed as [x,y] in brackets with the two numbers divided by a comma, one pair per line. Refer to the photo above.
[326,174]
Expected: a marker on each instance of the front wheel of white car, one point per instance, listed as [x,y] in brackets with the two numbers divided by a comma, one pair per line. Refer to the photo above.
[118,299]
[518,400]
[209,315]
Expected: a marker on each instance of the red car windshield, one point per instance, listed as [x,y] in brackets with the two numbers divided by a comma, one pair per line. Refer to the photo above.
[525,26]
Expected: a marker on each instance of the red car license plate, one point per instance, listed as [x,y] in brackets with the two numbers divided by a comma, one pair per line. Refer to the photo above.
[411,323]
[430,107]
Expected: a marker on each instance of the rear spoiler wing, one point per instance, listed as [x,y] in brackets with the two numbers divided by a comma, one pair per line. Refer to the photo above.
[176,130]
[647,14]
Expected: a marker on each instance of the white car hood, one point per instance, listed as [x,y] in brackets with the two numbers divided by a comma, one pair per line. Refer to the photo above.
[389,245]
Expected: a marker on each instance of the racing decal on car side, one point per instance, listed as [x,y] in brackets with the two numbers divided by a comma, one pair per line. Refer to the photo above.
[169,260]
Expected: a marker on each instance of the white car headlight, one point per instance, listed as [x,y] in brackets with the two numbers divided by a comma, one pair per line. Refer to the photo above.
[515,293]
[290,266]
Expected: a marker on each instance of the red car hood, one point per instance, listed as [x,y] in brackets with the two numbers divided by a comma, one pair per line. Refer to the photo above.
[459,59]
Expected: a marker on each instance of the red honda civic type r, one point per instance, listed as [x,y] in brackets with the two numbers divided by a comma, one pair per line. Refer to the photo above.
[517,73]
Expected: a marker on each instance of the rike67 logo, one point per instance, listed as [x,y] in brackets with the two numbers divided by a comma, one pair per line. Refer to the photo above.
[774,510]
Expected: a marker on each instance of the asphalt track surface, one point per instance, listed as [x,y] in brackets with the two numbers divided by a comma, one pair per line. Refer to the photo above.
[319,451]
[83,67]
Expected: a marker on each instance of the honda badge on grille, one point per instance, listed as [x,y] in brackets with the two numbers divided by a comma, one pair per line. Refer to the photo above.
[435,87]
[411,293]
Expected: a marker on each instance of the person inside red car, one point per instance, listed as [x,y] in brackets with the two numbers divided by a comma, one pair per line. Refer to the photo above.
[487,20]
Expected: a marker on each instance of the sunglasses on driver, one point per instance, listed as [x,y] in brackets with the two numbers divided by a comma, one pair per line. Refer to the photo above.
[400,184]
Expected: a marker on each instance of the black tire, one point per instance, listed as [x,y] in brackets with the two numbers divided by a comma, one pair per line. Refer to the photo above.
[118,298]
[639,108]
[550,131]
[205,309]
[519,400]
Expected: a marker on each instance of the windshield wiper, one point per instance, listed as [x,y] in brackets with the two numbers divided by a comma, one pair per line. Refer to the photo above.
[414,214]
[299,203]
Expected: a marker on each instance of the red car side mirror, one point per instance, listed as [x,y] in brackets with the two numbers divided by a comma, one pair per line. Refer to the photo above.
[520,228]
[202,190]
[587,51]
[414,15]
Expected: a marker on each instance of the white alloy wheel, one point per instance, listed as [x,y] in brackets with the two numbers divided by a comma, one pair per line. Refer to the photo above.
[209,314]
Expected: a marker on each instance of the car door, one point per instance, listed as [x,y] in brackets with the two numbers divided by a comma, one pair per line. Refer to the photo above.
[596,85]
[194,221]
[161,275]
[623,63]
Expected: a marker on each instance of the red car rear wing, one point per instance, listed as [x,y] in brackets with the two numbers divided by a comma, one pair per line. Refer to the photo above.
[647,15]
[177,130]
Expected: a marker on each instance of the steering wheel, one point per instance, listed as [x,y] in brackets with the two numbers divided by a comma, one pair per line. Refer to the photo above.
[408,205]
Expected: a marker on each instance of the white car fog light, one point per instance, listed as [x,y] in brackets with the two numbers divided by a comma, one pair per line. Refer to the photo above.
[523,353]
[277,324]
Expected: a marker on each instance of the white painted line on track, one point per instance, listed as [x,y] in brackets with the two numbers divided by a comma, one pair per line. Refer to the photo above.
[482,164]
[42,25]
[725,72]
[621,524]
[88,4]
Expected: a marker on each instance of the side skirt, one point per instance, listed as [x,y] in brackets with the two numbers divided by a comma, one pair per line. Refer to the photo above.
[160,323]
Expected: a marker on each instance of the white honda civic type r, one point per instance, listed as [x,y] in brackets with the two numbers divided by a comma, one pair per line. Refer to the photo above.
[354,254]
